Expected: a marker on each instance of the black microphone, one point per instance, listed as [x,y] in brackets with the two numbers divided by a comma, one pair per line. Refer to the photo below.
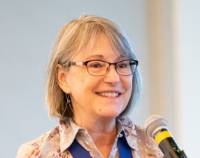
[156,127]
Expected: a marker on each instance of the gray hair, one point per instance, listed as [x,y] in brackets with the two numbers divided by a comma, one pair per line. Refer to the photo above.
[73,37]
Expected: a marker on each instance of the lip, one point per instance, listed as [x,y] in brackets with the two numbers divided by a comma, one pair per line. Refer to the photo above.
[109,91]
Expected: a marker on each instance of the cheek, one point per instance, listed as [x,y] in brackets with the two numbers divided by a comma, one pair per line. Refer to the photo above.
[129,83]
[80,82]
[75,76]
[129,88]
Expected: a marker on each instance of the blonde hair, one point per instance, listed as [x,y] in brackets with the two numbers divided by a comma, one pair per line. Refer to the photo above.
[75,36]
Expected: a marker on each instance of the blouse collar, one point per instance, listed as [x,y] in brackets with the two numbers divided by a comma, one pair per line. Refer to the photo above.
[69,130]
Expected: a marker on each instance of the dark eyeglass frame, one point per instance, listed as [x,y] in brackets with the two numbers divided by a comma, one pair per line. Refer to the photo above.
[131,62]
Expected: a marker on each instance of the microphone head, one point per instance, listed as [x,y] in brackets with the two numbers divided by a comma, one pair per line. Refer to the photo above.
[155,123]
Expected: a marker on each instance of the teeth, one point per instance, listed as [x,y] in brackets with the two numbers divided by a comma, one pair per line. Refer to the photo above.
[110,94]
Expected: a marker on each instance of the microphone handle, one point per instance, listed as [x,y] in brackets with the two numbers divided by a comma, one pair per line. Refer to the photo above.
[170,149]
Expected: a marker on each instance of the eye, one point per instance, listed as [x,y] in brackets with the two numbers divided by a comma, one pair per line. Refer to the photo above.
[95,64]
[123,65]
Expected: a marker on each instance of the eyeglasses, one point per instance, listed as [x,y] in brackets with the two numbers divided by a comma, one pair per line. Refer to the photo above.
[100,68]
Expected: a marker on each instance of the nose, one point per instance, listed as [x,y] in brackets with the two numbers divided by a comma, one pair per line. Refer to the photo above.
[112,76]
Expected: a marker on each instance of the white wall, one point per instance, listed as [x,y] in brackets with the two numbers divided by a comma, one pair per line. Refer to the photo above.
[27,32]
[189,25]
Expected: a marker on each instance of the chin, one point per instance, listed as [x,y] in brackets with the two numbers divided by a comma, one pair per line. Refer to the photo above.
[110,114]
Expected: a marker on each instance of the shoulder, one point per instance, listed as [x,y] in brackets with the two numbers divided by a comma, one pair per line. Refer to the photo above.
[39,147]
[147,145]
[139,140]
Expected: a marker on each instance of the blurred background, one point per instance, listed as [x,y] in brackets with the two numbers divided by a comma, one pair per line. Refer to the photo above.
[166,38]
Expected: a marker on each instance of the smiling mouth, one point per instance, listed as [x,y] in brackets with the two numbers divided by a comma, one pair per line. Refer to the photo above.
[109,94]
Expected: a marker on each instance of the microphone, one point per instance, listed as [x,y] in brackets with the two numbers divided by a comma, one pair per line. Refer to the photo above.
[156,127]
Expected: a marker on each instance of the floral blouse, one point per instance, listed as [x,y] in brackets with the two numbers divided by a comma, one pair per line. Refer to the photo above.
[55,143]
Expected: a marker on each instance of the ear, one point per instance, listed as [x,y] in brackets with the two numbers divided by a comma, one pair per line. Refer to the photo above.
[62,79]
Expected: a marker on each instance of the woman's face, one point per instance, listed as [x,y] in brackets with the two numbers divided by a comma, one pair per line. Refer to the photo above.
[97,96]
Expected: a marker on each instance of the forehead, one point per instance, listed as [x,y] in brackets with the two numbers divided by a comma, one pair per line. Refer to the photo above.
[102,49]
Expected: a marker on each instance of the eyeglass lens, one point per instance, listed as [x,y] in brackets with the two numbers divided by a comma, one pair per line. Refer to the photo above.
[101,68]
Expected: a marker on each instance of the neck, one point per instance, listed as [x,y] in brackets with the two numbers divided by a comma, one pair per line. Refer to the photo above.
[96,125]
[102,130]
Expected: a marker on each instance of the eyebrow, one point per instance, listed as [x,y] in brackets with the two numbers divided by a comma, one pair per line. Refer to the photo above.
[99,56]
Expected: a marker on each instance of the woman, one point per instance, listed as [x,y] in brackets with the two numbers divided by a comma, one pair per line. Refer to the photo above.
[93,84]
